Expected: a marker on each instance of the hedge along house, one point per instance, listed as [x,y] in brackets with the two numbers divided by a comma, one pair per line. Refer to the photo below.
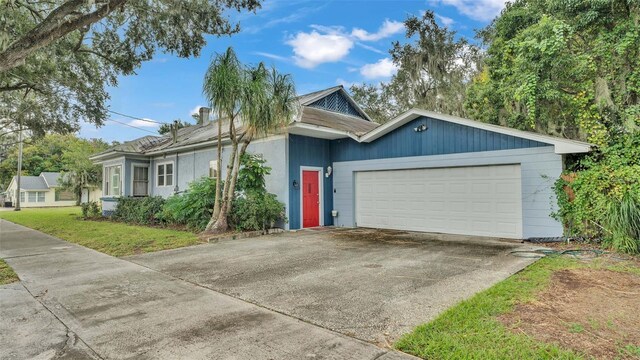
[333,165]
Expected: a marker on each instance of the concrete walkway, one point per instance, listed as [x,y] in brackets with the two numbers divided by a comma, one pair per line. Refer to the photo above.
[75,303]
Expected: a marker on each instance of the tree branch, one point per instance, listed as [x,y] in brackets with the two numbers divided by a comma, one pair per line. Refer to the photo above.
[52,28]
[18,86]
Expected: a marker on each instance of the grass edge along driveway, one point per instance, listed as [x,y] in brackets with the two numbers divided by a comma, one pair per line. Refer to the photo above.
[471,329]
[7,275]
[112,238]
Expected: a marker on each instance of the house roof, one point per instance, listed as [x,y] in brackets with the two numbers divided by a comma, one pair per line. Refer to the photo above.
[51,178]
[308,99]
[32,183]
[337,121]
[200,134]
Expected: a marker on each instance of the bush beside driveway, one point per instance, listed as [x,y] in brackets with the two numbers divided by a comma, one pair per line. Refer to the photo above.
[112,238]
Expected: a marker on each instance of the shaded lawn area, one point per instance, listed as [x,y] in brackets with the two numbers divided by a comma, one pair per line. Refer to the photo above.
[7,275]
[476,329]
[109,237]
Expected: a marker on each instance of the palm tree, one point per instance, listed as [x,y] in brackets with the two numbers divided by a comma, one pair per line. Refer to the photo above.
[262,99]
[222,87]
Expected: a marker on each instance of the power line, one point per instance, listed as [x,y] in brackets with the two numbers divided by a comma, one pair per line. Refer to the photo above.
[136,118]
[135,127]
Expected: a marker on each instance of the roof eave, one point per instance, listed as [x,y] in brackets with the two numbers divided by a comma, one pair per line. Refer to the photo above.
[321,131]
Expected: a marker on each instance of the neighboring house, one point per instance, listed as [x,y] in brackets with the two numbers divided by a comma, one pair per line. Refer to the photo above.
[39,191]
[421,171]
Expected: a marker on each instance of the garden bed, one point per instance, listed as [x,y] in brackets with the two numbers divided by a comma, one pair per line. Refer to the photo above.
[591,311]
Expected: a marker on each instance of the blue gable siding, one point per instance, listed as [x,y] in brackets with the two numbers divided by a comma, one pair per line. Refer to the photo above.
[306,151]
[338,103]
[442,137]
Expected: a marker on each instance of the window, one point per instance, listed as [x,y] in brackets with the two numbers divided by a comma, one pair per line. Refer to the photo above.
[213,169]
[35,196]
[22,196]
[64,195]
[112,180]
[140,180]
[165,174]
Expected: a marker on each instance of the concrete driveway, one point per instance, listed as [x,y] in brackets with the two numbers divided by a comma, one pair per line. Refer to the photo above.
[76,303]
[369,284]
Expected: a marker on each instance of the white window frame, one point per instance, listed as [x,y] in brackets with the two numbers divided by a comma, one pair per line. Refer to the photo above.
[164,174]
[107,184]
[133,172]
[23,197]
[213,169]
[36,196]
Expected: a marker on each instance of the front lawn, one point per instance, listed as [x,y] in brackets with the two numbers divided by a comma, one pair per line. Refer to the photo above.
[536,313]
[7,275]
[109,237]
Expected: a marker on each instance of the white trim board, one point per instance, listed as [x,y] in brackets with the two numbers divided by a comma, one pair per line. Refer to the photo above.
[133,166]
[173,173]
[320,171]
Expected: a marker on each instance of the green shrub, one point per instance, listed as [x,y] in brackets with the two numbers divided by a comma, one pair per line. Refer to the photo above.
[142,210]
[607,192]
[194,207]
[256,210]
[252,209]
[623,222]
[91,210]
[252,173]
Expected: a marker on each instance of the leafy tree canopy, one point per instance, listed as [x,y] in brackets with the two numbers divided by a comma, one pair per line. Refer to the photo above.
[56,153]
[166,128]
[564,67]
[57,56]
[433,72]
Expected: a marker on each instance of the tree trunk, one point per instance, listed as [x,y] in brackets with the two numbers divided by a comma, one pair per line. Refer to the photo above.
[234,179]
[216,203]
[219,224]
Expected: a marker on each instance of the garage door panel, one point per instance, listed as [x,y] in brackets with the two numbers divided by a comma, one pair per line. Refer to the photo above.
[481,200]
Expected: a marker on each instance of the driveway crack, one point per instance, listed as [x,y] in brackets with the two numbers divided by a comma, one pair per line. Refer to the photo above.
[71,337]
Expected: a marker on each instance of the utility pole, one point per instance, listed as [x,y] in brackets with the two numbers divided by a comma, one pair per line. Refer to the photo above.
[19,167]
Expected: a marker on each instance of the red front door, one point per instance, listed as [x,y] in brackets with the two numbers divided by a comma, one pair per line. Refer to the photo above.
[310,199]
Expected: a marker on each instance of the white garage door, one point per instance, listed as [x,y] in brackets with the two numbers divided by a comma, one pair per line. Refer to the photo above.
[478,200]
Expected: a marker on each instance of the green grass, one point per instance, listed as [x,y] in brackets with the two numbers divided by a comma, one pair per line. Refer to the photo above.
[471,330]
[111,238]
[7,276]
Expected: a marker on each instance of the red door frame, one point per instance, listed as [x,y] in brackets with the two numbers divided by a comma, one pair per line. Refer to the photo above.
[311,182]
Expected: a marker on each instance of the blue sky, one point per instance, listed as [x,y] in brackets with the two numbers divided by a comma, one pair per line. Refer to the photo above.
[321,43]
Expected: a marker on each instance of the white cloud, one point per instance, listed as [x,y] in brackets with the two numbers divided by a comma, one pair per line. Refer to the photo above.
[446,21]
[346,84]
[272,56]
[312,49]
[142,123]
[195,110]
[482,10]
[387,29]
[371,48]
[383,68]
[326,44]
